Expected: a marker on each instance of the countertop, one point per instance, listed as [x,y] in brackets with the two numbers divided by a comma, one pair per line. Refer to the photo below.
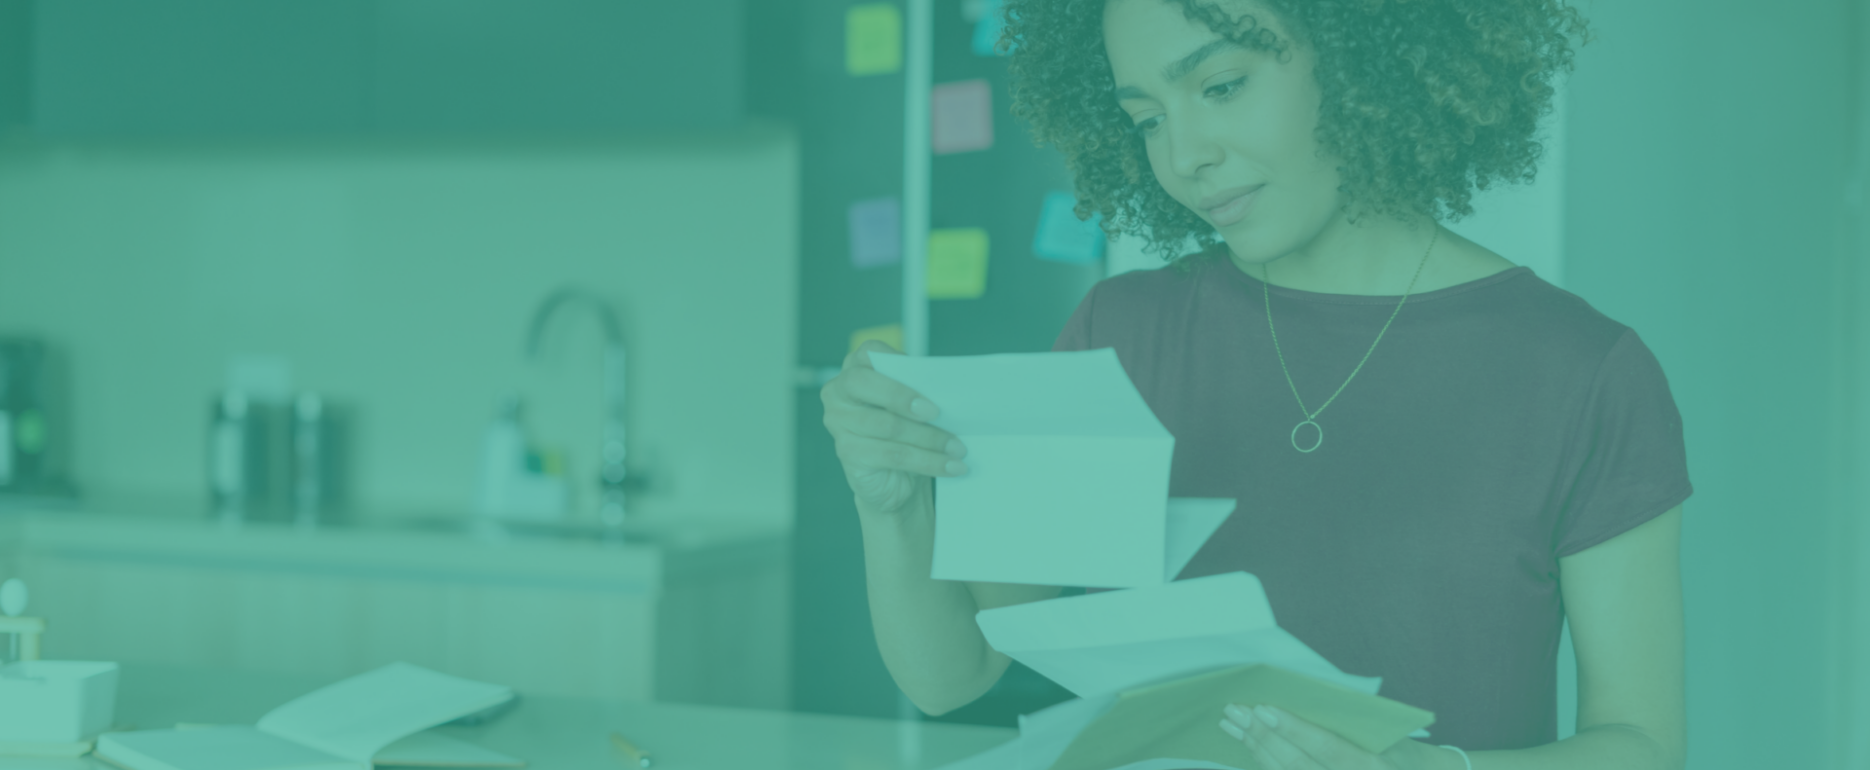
[637,558]
[551,733]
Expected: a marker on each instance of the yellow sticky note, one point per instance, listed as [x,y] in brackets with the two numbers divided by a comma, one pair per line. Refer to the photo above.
[889,333]
[957,263]
[873,39]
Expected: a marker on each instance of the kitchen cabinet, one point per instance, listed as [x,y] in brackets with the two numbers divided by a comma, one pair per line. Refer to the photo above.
[15,58]
[443,66]
[193,67]
[273,68]
[696,618]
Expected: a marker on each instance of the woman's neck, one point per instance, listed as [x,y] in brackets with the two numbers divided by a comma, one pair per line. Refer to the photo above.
[1378,256]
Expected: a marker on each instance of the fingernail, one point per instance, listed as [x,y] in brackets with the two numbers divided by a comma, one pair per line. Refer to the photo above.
[955,450]
[1266,713]
[1234,730]
[956,467]
[923,409]
[1241,716]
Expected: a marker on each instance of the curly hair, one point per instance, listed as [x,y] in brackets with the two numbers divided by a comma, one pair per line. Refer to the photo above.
[1423,101]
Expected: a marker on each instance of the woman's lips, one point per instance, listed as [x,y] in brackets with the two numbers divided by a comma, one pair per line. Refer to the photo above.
[1234,210]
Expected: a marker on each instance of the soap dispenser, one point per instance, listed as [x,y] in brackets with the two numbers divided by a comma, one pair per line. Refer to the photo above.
[514,482]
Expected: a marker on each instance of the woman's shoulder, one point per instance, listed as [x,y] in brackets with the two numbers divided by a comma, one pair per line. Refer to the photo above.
[1170,276]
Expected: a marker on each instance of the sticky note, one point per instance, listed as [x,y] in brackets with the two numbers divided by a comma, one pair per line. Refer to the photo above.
[988,27]
[961,116]
[957,263]
[873,39]
[1062,236]
[889,333]
[876,232]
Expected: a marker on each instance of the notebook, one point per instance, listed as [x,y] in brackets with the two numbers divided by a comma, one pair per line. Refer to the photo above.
[374,718]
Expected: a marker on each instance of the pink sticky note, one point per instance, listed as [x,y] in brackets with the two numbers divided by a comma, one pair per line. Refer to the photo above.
[961,116]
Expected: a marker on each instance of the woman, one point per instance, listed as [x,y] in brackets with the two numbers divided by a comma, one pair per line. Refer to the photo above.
[1496,456]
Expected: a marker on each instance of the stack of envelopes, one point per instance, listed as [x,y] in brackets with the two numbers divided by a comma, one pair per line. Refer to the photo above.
[1068,485]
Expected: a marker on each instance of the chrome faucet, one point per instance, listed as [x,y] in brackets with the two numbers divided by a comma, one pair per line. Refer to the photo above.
[613,472]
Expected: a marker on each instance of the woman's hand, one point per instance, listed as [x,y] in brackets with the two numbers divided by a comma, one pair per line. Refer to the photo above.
[1281,741]
[888,450]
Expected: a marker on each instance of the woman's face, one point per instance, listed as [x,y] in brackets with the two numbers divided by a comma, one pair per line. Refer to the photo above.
[1229,129]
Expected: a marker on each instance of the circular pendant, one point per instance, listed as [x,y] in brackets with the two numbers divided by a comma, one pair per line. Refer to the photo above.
[1315,444]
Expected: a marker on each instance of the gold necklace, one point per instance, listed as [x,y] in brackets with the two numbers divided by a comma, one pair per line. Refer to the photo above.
[1310,416]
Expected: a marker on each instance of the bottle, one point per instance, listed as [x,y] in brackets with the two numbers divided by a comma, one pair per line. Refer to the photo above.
[502,459]
[517,482]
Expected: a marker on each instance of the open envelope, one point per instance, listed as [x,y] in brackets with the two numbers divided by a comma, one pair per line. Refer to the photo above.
[1179,720]
[1068,479]
[1100,643]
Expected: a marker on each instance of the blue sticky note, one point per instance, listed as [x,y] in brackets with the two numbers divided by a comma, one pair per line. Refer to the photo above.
[1062,237]
[987,30]
[876,232]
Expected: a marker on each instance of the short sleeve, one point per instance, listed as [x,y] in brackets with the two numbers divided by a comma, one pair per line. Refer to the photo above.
[1634,464]
[1077,332]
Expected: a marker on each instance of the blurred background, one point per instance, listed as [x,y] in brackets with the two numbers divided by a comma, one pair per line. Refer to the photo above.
[488,335]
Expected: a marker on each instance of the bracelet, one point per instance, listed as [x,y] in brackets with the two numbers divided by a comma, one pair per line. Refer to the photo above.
[1464,759]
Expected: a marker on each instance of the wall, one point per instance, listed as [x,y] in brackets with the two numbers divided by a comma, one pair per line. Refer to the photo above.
[1704,202]
[398,278]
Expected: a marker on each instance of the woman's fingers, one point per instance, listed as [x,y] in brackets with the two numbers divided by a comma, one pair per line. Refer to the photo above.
[876,423]
[866,384]
[871,387]
[856,450]
[887,429]
[881,423]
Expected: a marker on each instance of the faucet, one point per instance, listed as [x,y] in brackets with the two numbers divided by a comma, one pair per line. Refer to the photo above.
[614,476]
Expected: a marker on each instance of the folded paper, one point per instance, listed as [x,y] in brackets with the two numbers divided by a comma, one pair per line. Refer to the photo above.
[1068,480]
[1100,643]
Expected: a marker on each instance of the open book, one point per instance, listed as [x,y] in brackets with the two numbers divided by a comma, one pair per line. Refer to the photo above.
[373,718]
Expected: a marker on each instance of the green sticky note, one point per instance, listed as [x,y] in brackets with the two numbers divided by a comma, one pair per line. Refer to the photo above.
[957,265]
[873,39]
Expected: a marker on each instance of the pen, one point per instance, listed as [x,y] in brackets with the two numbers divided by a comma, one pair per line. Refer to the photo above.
[624,745]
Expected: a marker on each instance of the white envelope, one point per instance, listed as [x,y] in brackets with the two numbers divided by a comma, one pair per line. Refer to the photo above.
[1068,476]
[1098,644]
[1043,737]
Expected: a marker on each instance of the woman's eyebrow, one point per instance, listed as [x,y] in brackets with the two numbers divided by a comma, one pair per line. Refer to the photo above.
[1179,68]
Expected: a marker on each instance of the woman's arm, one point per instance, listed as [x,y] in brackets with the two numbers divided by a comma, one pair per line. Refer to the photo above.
[1624,598]
[925,628]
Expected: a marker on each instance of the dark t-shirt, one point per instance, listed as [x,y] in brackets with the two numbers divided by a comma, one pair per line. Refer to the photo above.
[1499,425]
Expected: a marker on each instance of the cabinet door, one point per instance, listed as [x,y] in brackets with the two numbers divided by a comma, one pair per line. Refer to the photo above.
[216,68]
[199,67]
[15,62]
[557,66]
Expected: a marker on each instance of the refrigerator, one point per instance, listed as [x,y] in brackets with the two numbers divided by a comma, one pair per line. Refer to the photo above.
[922,120]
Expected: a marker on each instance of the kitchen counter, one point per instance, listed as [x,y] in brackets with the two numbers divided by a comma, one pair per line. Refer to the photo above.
[682,613]
[558,732]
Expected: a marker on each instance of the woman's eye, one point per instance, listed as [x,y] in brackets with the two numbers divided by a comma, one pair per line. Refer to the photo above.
[1232,86]
[1225,90]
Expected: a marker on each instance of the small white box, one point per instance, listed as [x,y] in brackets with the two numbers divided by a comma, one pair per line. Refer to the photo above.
[56,700]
